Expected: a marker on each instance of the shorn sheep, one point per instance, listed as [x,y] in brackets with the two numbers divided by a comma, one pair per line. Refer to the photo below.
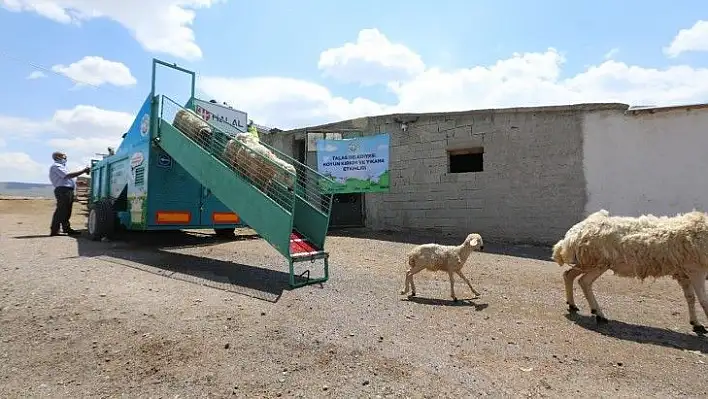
[638,247]
[193,126]
[245,158]
[448,258]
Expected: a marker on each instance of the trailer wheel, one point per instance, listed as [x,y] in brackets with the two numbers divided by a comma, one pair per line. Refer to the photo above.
[101,219]
[225,233]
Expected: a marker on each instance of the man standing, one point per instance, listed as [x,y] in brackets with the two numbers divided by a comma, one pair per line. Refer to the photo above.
[64,185]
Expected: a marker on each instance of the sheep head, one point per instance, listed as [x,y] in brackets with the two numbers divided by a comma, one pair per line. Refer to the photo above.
[474,241]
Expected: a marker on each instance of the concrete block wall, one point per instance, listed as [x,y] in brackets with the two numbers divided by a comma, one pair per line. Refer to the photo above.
[532,188]
[280,141]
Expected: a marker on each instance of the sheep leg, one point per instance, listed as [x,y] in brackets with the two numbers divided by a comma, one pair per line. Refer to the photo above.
[463,277]
[568,277]
[585,283]
[266,186]
[698,281]
[690,296]
[409,278]
[452,286]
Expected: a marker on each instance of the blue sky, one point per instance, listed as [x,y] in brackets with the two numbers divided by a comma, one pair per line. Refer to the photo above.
[267,58]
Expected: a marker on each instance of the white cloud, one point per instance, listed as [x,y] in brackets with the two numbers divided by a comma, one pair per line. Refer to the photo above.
[20,167]
[372,59]
[80,120]
[532,79]
[80,132]
[694,38]
[36,75]
[97,71]
[163,26]
[92,121]
[523,79]
[14,127]
[285,102]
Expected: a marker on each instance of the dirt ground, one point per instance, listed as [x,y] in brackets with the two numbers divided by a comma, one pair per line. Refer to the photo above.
[184,315]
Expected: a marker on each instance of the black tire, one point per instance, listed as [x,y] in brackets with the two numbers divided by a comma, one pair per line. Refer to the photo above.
[225,233]
[101,219]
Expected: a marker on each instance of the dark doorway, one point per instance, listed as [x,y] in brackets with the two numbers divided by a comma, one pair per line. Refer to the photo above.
[300,155]
[299,150]
[347,210]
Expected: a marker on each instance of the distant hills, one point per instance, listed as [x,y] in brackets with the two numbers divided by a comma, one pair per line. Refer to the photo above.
[16,189]
[35,190]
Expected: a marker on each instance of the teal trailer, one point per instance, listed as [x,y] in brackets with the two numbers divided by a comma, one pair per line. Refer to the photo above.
[164,177]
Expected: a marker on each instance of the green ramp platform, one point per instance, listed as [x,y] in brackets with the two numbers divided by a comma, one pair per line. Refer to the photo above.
[293,220]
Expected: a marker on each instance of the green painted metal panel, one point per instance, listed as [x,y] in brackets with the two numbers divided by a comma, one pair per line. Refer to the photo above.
[310,222]
[270,220]
[311,206]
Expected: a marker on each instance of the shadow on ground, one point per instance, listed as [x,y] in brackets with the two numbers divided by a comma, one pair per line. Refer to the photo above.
[642,334]
[149,251]
[422,237]
[446,302]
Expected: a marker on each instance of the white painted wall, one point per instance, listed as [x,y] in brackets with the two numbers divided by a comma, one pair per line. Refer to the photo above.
[646,163]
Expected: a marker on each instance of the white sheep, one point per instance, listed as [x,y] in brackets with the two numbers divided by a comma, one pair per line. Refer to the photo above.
[249,156]
[639,247]
[448,258]
[286,173]
[193,126]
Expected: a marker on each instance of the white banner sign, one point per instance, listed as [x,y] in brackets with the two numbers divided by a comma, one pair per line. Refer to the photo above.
[227,119]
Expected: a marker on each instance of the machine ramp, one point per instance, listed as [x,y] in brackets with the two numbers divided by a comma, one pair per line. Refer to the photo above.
[293,219]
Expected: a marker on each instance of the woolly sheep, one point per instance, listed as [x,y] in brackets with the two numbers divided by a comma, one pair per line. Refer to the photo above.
[242,153]
[639,247]
[448,258]
[285,178]
[193,126]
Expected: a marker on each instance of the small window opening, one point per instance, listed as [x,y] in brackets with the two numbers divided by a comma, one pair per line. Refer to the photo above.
[467,160]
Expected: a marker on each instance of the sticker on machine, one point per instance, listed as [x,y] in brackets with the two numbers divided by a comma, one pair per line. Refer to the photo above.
[136,160]
[145,125]
[164,161]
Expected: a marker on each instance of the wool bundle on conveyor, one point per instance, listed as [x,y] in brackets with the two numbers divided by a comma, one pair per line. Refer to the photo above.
[192,125]
[257,162]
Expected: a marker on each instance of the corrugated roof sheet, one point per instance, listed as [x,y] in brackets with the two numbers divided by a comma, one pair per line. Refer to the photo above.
[262,128]
[661,108]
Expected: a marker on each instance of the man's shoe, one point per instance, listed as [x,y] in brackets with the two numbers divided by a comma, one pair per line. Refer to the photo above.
[72,232]
[54,233]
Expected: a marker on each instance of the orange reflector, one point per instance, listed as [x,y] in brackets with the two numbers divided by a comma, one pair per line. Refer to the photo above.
[225,217]
[173,217]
